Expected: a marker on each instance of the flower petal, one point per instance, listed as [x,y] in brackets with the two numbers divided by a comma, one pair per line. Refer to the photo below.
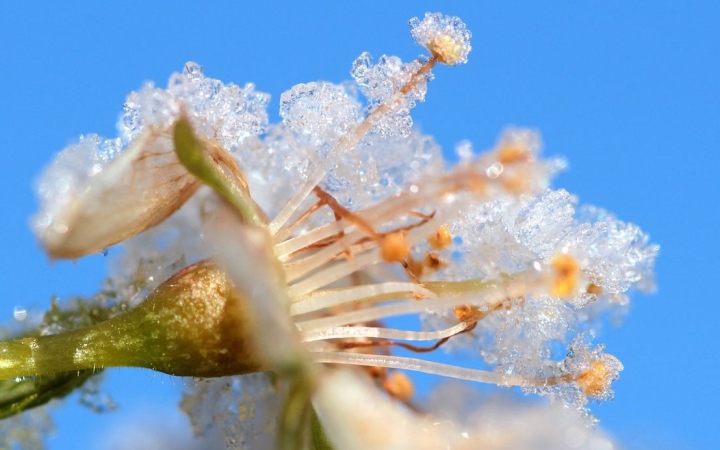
[136,191]
[355,415]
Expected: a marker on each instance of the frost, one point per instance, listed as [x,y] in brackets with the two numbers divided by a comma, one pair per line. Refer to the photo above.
[227,113]
[386,83]
[322,111]
[244,408]
[68,176]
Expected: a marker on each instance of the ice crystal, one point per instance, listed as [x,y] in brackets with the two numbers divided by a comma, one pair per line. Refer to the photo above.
[244,408]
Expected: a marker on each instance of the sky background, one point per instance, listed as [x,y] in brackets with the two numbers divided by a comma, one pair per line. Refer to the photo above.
[628,92]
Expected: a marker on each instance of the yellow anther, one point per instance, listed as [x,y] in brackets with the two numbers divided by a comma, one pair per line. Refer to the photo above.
[463,312]
[446,50]
[400,386]
[517,182]
[441,238]
[394,247]
[596,381]
[511,154]
[594,289]
[567,271]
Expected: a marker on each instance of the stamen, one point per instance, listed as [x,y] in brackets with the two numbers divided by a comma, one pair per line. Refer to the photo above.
[596,381]
[394,247]
[293,245]
[367,294]
[566,270]
[287,231]
[419,365]
[399,385]
[334,272]
[348,142]
[487,298]
[385,333]
[513,154]
[441,239]
[594,289]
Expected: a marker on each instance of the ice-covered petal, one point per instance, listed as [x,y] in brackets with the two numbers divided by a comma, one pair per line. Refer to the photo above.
[85,212]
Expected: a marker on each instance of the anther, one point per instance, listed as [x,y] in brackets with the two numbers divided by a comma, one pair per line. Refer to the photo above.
[399,385]
[566,270]
[441,238]
[394,247]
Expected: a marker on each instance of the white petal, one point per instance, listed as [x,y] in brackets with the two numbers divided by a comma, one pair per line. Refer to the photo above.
[137,190]
[356,415]
[246,253]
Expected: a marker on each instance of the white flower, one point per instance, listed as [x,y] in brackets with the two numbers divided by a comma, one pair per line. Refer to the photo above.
[367,224]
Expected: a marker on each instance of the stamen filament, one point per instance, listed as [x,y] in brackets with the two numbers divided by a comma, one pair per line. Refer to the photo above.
[420,365]
[348,142]
[486,299]
[385,333]
[335,272]
[392,290]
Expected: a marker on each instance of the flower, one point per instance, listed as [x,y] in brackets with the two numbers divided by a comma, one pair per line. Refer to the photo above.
[344,216]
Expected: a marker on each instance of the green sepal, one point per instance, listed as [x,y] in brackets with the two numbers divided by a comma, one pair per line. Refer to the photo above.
[318,438]
[195,155]
[295,416]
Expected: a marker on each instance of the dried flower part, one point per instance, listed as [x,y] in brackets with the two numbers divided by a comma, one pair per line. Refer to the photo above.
[213,165]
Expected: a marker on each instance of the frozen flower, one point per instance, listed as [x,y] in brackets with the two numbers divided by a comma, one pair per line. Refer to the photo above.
[323,227]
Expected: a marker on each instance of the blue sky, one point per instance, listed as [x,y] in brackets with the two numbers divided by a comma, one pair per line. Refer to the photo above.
[628,92]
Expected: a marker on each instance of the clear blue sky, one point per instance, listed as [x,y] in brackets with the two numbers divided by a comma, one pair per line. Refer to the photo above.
[629,92]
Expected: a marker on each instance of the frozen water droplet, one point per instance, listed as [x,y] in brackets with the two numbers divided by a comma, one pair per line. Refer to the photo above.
[464,151]
[193,70]
[19,313]
[494,170]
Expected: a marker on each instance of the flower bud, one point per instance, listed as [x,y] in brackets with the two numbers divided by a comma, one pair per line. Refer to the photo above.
[194,324]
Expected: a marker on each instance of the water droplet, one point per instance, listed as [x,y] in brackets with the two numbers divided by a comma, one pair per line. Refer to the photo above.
[495,170]
[19,313]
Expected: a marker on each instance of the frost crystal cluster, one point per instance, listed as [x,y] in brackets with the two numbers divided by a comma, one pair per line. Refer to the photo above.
[334,223]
